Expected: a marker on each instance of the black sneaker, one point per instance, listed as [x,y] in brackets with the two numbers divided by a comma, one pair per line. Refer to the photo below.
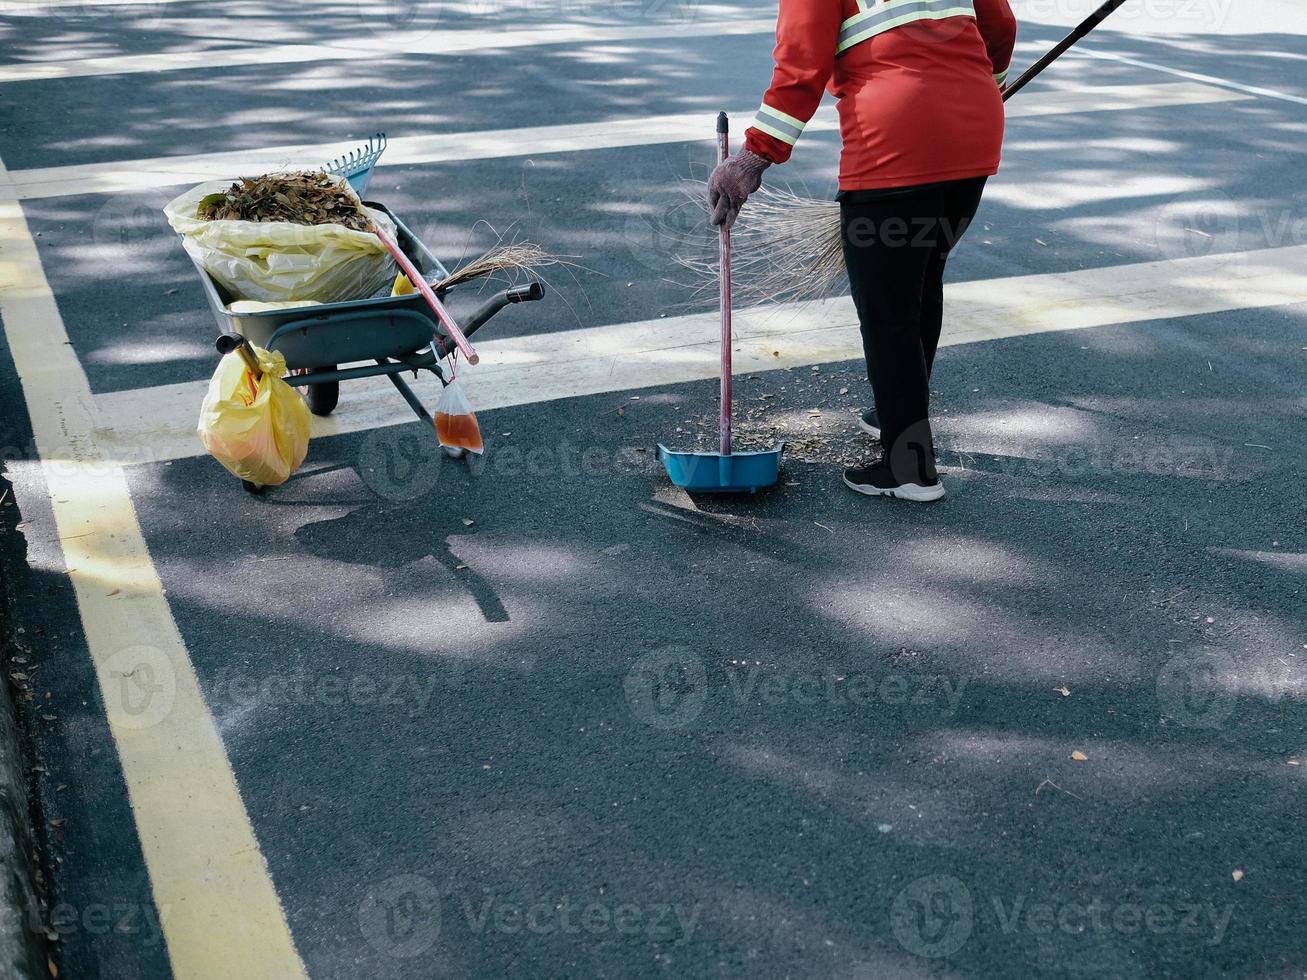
[870,423]
[876,480]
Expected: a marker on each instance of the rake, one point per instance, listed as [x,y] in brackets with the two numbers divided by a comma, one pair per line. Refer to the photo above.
[356,165]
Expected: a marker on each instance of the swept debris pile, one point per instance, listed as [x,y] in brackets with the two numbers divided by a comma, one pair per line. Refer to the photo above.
[308,197]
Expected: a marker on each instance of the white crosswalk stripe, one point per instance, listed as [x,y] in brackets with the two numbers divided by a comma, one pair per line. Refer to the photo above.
[363,45]
[156,424]
[136,175]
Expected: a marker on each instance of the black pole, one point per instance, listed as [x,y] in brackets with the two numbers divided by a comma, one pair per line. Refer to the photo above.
[1089,23]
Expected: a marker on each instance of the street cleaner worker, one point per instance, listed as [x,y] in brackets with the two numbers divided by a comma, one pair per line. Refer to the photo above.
[918,84]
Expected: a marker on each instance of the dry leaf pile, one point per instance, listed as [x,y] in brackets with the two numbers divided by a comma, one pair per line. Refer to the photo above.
[826,434]
[308,197]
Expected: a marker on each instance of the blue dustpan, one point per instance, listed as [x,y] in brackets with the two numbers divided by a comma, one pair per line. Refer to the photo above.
[715,473]
[725,471]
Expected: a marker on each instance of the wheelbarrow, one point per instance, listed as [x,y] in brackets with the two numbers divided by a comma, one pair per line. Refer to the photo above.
[364,338]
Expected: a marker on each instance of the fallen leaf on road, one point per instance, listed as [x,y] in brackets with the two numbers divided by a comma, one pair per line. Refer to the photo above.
[1063,690]
[113,592]
[1236,875]
[1079,756]
[1295,762]
[468,522]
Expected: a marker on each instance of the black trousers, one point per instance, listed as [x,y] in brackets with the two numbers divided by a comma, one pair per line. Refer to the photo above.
[896,243]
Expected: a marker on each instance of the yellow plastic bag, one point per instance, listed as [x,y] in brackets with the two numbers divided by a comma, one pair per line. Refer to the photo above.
[275,261]
[258,430]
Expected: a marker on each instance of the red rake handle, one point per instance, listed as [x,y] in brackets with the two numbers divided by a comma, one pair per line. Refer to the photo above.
[429,294]
[724,277]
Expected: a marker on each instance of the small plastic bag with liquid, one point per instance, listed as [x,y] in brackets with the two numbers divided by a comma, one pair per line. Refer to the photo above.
[456,423]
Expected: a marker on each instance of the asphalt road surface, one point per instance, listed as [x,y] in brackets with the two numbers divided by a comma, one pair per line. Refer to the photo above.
[547,716]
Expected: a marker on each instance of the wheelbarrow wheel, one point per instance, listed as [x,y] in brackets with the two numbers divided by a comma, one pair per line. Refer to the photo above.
[323,397]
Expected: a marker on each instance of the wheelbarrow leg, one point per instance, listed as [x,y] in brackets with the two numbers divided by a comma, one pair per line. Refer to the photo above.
[408,394]
[452,451]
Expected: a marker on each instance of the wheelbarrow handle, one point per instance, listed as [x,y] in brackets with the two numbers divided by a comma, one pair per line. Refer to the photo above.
[477,318]
[229,342]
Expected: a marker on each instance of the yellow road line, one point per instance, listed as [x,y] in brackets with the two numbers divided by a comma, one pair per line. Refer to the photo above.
[220,914]
[572,363]
[120,176]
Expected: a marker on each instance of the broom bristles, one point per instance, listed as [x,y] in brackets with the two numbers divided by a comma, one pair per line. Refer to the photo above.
[784,248]
[510,260]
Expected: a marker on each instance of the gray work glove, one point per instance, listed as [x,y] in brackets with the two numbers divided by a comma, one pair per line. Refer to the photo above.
[731,183]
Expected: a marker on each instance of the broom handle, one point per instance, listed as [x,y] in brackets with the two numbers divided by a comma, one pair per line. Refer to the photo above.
[418,280]
[724,254]
[1087,25]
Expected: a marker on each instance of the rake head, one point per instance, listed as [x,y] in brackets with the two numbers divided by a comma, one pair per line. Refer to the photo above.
[356,165]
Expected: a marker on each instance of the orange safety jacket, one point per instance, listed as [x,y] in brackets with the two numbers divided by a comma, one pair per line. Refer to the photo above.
[917,84]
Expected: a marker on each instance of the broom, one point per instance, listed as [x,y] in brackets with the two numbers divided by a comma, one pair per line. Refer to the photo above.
[790,247]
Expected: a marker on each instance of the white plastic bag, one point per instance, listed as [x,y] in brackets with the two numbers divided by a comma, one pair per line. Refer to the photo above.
[276,261]
[456,423]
